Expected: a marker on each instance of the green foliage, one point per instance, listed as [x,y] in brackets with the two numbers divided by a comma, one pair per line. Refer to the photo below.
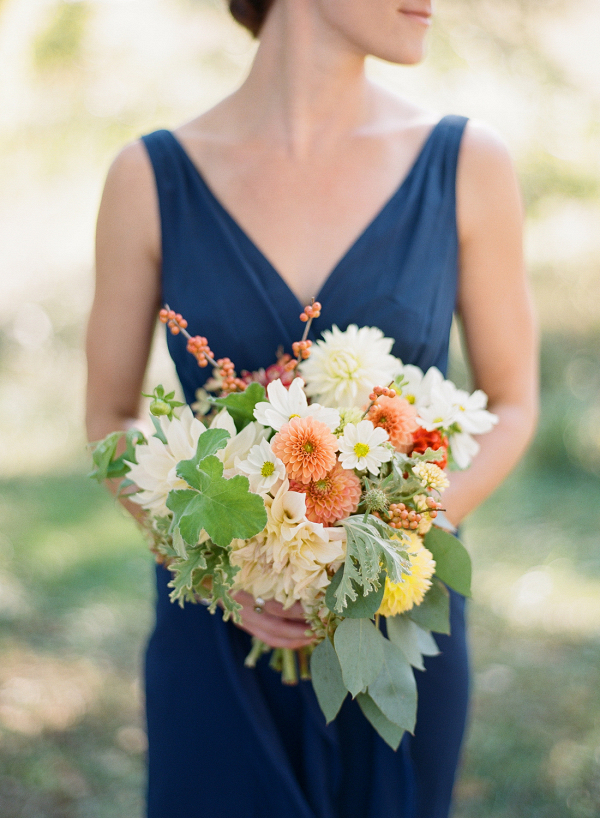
[240,405]
[162,403]
[368,550]
[359,647]
[326,674]
[60,43]
[104,455]
[205,573]
[391,733]
[404,633]
[225,509]
[394,690]
[364,606]
[452,560]
[433,614]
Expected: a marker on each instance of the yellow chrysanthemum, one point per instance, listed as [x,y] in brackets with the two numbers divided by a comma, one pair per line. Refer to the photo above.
[399,597]
[431,476]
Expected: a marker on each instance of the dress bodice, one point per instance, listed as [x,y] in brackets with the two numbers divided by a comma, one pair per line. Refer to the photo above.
[399,275]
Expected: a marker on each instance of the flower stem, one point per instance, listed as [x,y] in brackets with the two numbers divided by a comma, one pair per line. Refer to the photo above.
[257,650]
[289,671]
[303,654]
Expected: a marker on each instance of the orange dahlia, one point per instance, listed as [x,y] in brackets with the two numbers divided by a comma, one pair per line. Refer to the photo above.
[333,497]
[307,448]
[398,417]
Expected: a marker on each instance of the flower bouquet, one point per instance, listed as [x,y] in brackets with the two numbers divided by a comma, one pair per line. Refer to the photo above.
[316,480]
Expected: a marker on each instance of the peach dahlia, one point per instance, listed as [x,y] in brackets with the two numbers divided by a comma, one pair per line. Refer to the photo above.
[307,448]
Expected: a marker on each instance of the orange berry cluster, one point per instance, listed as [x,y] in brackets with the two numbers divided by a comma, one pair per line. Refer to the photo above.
[311,311]
[301,349]
[173,320]
[379,391]
[227,374]
[402,517]
[198,346]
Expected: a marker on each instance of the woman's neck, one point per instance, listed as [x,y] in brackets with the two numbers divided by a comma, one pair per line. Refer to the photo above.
[307,85]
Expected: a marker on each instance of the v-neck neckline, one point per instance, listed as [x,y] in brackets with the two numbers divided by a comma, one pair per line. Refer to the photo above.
[360,238]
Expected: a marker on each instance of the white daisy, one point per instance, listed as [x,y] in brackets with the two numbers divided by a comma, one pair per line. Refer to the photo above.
[412,389]
[360,447]
[344,367]
[263,469]
[285,404]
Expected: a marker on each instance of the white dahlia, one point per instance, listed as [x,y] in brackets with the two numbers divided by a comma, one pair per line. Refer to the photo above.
[155,471]
[344,367]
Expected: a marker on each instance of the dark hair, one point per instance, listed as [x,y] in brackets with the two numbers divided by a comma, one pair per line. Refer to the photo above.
[250,13]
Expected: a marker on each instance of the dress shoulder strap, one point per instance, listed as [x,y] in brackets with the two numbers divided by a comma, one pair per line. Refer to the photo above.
[446,149]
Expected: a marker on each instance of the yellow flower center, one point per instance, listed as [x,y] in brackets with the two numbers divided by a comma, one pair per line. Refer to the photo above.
[294,416]
[438,420]
[321,485]
[267,468]
[308,447]
[361,450]
[410,398]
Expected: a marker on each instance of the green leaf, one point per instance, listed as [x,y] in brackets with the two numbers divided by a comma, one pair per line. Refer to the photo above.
[433,614]
[368,550]
[210,442]
[225,509]
[158,429]
[452,560]
[404,633]
[108,465]
[359,646]
[427,644]
[394,691]
[240,405]
[364,606]
[326,674]
[184,571]
[179,544]
[389,732]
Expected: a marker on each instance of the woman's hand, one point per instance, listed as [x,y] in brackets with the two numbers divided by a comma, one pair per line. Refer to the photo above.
[275,626]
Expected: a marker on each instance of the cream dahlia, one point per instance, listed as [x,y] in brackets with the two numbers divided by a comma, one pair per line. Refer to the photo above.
[344,367]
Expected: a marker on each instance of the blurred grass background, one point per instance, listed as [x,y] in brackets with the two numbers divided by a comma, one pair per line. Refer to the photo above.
[78,80]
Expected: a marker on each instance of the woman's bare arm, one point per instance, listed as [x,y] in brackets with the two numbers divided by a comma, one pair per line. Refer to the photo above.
[120,333]
[495,307]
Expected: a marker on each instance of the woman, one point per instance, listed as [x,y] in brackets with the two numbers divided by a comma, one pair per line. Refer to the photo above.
[237,218]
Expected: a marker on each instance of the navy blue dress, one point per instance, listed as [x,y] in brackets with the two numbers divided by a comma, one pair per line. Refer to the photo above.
[226,741]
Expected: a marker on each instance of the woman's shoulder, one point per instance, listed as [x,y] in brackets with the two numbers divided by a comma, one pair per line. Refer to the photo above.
[486,182]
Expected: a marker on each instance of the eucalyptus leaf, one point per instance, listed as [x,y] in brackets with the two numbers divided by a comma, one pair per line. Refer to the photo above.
[359,647]
[394,691]
[452,560]
[240,405]
[326,675]
[389,732]
[433,614]
[403,633]
[427,644]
